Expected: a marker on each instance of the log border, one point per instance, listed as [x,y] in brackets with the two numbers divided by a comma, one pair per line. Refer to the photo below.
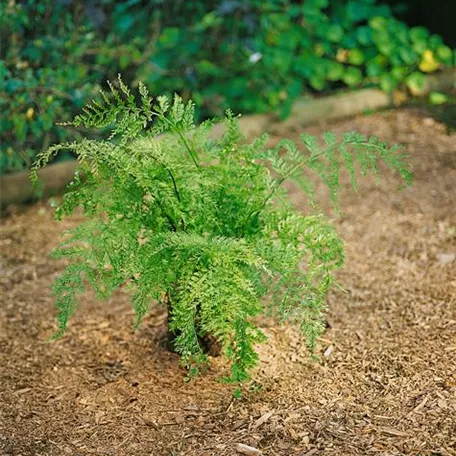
[17,188]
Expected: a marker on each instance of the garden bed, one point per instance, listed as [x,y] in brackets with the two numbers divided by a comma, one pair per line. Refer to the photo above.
[386,383]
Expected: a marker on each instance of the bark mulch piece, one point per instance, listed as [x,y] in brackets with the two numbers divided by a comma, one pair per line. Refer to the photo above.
[385,383]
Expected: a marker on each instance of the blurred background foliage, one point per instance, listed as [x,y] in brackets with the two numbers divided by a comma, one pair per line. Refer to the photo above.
[251,55]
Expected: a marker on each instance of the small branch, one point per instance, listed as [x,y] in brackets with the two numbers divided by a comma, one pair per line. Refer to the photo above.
[168,217]
[189,150]
[176,191]
[174,129]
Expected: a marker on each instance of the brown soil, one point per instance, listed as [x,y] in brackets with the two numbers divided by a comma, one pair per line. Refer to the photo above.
[386,383]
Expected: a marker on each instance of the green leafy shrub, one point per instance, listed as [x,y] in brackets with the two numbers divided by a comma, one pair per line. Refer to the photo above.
[43,77]
[253,56]
[203,226]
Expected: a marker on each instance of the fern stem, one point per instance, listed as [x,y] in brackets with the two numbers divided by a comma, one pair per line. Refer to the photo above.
[182,137]
[280,181]
[176,191]
[189,150]
[171,175]
[160,205]
[168,217]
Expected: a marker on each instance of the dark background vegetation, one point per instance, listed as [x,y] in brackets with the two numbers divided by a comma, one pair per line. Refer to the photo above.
[252,55]
[436,15]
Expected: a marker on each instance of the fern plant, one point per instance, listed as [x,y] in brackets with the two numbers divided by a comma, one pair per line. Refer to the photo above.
[202,225]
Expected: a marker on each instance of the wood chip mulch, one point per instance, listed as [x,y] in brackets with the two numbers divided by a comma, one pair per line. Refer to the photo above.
[385,383]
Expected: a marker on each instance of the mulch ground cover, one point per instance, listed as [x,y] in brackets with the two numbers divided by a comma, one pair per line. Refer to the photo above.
[385,383]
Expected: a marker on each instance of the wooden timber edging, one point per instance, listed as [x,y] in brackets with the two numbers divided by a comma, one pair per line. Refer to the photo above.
[17,188]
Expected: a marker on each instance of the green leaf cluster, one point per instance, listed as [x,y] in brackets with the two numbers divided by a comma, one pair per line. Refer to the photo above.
[204,226]
[252,56]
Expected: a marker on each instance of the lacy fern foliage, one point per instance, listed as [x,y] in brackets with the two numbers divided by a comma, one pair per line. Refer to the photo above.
[203,225]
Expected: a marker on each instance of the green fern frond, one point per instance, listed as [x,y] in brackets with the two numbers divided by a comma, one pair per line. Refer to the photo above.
[328,161]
